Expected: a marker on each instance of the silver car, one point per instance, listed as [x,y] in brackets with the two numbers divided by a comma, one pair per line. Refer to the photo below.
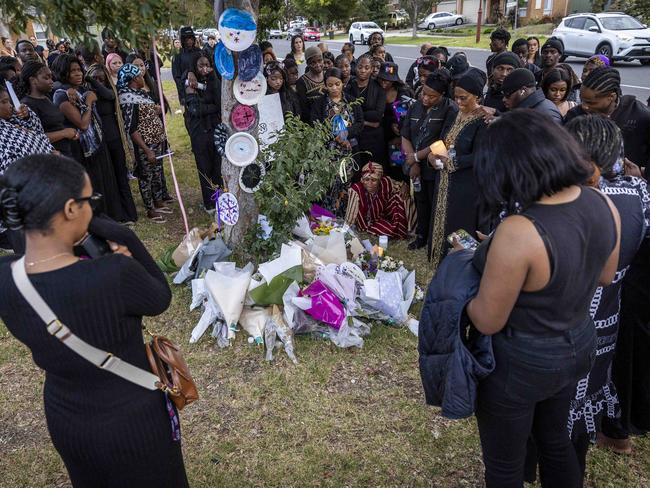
[440,19]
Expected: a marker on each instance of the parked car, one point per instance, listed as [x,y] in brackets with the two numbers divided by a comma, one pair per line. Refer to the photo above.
[398,19]
[613,34]
[440,19]
[311,34]
[360,31]
[275,34]
[294,31]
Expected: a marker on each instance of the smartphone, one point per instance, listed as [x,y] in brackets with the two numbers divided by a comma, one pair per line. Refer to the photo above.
[466,240]
[92,247]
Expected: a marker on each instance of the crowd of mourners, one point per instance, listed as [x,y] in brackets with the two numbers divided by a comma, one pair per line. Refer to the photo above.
[544,165]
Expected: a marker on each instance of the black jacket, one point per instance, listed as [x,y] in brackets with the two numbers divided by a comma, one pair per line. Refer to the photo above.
[203,108]
[374,99]
[633,118]
[494,98]
[538,102]
[454,356]
[319,114]
[183,63]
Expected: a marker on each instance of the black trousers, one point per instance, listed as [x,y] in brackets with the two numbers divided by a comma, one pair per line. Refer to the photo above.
[529,392]
[208,162]
[116,152]
[424,206]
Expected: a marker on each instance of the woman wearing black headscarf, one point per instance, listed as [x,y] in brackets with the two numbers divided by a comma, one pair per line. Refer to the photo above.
[456,197]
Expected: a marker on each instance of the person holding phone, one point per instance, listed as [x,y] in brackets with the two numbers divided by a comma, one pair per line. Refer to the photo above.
[107,430]
[557,241]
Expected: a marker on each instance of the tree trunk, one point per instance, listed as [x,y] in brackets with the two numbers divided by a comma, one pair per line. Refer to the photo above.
[415,19]
[234,235]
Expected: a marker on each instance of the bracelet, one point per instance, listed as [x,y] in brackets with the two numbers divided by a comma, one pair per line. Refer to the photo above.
[415,157]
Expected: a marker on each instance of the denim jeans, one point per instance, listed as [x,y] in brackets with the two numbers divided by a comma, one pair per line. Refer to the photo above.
[529,392]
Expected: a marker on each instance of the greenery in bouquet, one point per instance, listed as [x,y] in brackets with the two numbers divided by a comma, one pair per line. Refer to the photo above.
[301,166]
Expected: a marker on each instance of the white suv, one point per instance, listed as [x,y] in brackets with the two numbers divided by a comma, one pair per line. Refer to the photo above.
[360,31]
[616,35]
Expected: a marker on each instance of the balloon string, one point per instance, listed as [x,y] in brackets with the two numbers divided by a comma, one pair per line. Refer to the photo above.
[164,119]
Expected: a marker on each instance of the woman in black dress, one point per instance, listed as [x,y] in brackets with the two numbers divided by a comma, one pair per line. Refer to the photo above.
[399,98]
[108,431]
[456,196]
[78,106]
[35,88]
[371,138]
[108,107]
[202,116]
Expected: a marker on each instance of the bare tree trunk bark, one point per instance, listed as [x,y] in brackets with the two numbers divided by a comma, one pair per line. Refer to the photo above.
[234,235]
[415,20]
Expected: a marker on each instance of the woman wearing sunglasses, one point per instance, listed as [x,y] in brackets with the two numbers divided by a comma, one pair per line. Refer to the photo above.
[107,430]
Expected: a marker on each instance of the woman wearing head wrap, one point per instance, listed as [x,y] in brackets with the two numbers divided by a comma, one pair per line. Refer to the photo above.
[380,205]
[143,124]
[108,107]
[455,202]
[276,82]
[78,106]
[423,125]
[596,61]
[600,93]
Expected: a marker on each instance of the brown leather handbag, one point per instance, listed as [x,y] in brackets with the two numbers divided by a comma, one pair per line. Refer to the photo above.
[168,364]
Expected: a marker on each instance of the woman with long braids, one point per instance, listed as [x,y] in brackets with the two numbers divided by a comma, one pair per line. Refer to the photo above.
[601,94]
[78,106]
[595,396]
[35,88]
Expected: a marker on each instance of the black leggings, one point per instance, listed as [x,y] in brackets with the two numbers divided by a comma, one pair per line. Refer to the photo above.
[529,392]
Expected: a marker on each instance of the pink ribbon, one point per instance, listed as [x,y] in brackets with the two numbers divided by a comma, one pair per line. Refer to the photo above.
[164,118]
[215,197]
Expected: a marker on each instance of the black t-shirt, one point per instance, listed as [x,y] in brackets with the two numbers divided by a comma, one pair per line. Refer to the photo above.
[423,127]
[633,118]
[52,120]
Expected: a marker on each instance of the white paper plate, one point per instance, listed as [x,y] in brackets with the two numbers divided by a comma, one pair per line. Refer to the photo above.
[250,92]
[241,149]
[237,29]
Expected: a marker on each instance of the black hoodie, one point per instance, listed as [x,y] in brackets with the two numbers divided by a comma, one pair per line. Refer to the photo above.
[184,61]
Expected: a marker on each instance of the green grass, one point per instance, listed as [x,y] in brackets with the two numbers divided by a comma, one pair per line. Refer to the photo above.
[338,418]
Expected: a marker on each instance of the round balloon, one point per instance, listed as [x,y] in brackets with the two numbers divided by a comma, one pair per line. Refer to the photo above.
[237,29]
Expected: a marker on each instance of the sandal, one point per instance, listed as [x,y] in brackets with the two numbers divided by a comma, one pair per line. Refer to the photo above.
[155,217]
[163,209]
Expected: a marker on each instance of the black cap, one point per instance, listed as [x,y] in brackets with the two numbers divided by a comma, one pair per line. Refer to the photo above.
[457,65]
[186,32]
[554,43]
[388,72]
[519,78]
[473,82]
[507,58]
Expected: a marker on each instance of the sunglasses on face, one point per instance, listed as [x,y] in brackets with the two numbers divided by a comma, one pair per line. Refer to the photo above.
[93,200]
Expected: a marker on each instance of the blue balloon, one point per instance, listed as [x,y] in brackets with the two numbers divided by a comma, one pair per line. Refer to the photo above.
[339,127]
[250,62]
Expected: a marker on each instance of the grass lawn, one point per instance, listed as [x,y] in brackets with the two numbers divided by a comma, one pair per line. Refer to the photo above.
[338,418]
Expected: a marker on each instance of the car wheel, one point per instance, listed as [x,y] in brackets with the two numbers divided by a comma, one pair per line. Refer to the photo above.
[645,62]
[605,50]
[432,26]
[459,21]
[351,39]
[362,41]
